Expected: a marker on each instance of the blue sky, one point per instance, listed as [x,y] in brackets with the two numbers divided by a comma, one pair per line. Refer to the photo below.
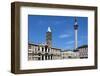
[62,30]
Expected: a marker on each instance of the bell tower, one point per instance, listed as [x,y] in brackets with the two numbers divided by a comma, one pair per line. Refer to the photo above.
[49,37]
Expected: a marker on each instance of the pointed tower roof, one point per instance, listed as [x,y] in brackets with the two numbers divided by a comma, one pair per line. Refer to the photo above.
[49,29]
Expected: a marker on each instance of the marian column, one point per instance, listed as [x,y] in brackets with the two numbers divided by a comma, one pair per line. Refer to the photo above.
[76,35]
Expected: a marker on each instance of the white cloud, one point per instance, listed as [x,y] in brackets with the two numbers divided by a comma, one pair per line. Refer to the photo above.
[70,42]
[64,36]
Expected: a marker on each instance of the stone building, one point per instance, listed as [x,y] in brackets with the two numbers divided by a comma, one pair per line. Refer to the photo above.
[43,52]
[69,54]
[66,54]
[83,51]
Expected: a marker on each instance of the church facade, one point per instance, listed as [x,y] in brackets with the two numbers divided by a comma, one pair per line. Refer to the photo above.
[44,51]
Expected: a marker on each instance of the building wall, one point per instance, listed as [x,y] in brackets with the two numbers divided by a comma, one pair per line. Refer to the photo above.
[83,52]
[70,55]
[66,54]
[42,52]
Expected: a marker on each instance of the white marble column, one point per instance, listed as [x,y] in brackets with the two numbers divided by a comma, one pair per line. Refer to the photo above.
[44,50]
[47,50]
[47,57]
[43,57]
